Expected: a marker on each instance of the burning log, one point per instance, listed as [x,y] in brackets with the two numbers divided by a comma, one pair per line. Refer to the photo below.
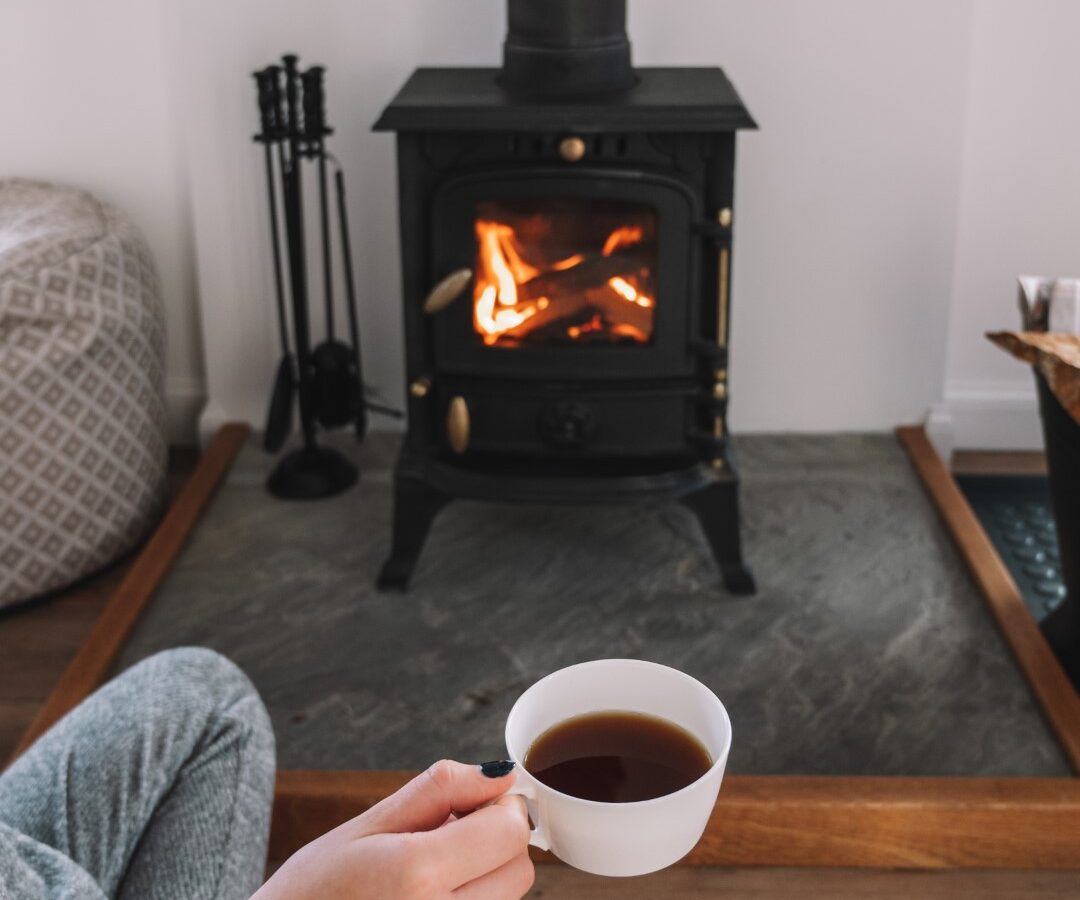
[583,312]
[594,271]
[590,296]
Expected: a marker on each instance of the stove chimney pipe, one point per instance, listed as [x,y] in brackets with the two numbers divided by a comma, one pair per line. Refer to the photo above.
[561,48]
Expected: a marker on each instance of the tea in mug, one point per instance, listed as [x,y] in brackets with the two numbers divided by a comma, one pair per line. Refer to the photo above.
[617,757]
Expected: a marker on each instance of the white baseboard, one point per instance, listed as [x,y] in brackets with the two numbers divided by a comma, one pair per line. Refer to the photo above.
[985,416]
[212,418]
[184,399]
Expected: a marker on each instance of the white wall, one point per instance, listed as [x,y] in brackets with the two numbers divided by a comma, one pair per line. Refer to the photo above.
[894,191]
[845,199]
[1020,210]
[86,101]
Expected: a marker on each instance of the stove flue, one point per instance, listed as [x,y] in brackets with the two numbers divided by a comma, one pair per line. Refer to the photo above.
[560,48]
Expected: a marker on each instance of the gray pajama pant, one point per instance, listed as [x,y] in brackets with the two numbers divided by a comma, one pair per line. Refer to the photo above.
[157,786]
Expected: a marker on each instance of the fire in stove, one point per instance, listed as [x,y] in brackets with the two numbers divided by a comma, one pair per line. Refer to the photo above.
[552,272]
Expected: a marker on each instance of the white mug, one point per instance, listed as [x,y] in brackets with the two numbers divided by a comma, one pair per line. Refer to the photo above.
[619,838]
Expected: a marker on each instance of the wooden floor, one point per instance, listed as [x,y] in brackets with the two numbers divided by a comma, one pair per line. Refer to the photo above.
[36,644]
[38,641]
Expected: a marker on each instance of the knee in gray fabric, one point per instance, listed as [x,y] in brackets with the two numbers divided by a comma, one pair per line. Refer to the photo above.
[198,665]
[201,663]
[206,677]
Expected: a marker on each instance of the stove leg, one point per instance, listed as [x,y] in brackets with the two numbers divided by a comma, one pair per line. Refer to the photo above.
[717,509]
[416,504]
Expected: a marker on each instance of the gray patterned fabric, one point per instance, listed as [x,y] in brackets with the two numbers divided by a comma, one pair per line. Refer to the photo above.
[82,415]
[156,787]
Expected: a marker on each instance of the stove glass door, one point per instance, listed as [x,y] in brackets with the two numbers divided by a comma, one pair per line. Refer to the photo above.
[583,274]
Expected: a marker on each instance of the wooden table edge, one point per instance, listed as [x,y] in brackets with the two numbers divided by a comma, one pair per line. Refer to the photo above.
[811,821]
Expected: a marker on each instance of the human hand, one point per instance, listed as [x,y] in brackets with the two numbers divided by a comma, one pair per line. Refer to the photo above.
[429,841]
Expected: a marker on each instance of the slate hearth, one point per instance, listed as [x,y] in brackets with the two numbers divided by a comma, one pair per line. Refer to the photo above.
[866,650]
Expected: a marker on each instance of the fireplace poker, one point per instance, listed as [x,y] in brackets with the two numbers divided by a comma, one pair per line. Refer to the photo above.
[279,413]
[315,132]
[294,229]
[362,402]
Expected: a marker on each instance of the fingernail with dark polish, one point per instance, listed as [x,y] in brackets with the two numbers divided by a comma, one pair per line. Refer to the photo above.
[498,768]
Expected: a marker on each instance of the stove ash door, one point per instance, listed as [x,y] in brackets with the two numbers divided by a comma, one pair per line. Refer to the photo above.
[549,275]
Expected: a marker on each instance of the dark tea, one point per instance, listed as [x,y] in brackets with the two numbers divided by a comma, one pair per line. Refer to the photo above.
[617,757]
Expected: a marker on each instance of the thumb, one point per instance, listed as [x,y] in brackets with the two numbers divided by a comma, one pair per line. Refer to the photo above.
[446,787]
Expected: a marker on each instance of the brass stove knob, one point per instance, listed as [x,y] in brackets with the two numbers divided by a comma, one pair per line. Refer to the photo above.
[572,149]
[457,425]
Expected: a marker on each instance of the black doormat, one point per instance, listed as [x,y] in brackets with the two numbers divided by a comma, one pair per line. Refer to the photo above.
[1016,513]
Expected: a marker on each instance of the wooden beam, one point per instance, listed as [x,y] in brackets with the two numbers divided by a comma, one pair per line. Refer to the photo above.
[95,659]
[1048,681]
[859,822]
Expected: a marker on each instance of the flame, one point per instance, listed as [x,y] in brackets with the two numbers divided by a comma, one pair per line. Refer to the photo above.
[503,270]
[623,236]
[495,238]
[627,291]
[494,322]
[594,324]
[626,330]
[520,269]
[563,264]
[504,301]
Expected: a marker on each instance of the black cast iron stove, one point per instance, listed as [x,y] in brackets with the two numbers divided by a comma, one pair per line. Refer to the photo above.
[566,229]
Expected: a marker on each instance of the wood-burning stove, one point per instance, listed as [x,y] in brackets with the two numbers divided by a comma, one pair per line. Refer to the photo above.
[566,228]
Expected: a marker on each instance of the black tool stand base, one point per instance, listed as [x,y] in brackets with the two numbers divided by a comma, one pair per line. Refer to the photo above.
[423,486]
[311,473]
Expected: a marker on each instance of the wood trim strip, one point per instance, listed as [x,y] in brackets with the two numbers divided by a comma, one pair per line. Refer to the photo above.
[95,658]
[1048,681]
[998,462]
[858,822]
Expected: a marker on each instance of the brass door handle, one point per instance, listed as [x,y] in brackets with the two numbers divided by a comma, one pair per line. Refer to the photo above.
[447,291]
[457,424]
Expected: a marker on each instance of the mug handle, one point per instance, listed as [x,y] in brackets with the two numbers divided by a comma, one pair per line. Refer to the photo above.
[538,837]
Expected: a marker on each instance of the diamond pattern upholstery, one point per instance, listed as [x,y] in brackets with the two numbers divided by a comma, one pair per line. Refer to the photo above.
[82,416]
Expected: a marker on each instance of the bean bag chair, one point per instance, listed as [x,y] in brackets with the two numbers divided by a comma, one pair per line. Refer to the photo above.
[82,418]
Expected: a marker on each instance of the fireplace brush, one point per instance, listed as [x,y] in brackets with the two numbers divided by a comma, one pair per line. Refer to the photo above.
[326,379]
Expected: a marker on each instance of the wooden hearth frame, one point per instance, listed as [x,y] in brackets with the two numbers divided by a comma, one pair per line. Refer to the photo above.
[859,821]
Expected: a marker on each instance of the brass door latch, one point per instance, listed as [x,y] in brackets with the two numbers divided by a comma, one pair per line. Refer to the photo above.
[447,291]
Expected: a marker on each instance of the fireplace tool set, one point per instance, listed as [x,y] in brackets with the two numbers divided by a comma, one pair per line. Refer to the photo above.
[327,379]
